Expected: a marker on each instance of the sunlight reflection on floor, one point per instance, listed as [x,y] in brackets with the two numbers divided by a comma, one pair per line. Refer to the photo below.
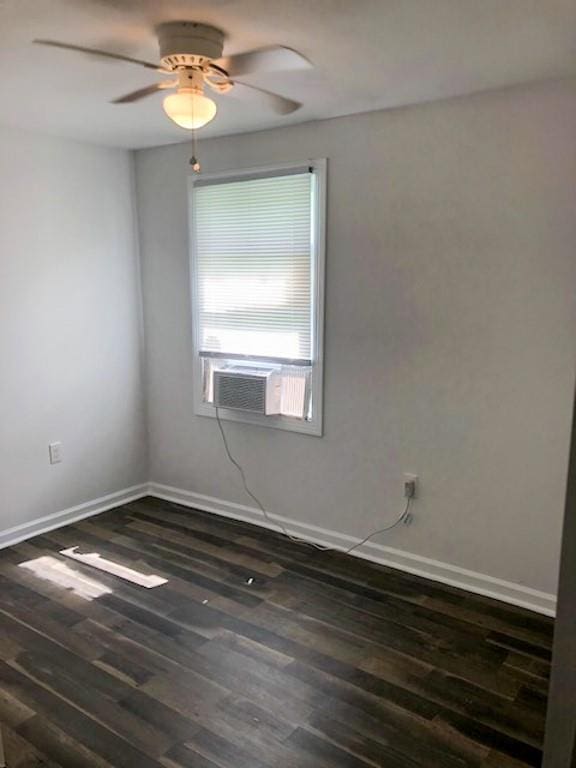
[50,569]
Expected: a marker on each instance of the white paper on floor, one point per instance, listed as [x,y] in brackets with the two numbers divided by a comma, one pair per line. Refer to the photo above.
[97,561]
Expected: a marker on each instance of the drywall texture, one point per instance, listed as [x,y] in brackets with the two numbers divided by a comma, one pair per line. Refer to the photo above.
[450,317]
[70,349]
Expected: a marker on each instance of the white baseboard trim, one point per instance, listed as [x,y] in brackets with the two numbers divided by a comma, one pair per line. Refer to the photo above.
[453,575]
[19,533]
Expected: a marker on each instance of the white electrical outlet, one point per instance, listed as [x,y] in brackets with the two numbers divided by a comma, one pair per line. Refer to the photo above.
[55,453]
[410,485]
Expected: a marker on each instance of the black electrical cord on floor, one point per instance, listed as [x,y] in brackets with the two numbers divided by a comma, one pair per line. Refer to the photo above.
[278,524]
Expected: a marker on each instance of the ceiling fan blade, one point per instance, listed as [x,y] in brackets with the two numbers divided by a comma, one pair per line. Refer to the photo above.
[274,59]
[278,104]
[142,93]
[96,52]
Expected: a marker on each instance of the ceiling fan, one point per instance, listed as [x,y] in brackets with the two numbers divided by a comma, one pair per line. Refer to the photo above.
[192,54]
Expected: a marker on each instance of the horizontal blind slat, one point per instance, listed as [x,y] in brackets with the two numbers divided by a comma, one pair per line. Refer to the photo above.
[253,266]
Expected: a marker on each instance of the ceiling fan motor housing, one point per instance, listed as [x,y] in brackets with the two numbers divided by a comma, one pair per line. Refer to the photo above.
[188,44]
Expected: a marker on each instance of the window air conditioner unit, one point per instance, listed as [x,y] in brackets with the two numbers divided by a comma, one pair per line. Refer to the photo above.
[257,390]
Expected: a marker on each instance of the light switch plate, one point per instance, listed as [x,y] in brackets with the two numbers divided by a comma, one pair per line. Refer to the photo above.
[55,453]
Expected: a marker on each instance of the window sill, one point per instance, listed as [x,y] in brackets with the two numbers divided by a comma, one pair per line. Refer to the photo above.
[286,423]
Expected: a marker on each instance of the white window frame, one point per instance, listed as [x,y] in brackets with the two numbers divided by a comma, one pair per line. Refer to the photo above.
[201,408]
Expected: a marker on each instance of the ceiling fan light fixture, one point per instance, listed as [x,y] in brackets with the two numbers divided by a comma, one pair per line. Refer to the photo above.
[189,109]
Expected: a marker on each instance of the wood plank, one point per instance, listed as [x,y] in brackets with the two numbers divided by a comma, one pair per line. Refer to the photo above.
[20,753]
[88,731]
[258,652]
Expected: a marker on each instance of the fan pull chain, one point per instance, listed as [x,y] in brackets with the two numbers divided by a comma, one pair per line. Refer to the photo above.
[194,162]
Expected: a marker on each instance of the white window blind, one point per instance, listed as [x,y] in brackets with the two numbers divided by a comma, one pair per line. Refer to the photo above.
[253,266]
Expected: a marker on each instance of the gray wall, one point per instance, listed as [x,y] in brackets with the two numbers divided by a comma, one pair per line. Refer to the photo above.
[451,309]
[70,357]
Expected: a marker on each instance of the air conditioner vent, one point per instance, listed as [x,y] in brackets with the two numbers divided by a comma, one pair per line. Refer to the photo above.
[244,389]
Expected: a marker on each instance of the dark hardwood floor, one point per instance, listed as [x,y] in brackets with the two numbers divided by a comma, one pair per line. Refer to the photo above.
[257,653]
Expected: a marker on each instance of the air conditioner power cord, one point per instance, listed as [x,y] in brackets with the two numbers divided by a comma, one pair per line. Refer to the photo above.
[277,524]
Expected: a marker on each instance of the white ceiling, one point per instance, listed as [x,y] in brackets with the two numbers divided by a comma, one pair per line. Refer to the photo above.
[367,55]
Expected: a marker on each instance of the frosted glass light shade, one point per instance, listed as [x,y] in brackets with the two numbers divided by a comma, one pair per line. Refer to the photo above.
[188,109]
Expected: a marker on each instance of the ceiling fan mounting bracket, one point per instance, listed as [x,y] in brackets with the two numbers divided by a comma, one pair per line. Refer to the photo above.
[191,80]
[217,78]
[188,44]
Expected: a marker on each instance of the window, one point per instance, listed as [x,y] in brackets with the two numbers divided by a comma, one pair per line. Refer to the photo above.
[257,291]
